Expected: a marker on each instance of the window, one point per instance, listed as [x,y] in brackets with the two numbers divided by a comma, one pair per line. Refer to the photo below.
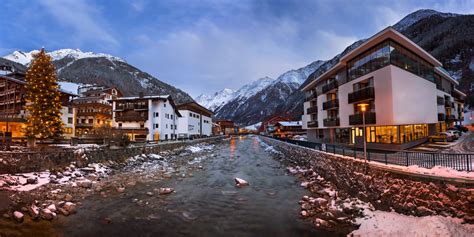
[70,110]
[171,116]
[190,114]
[120,125]
[156,125]
[157,114]
[164,105]
[142,125]
[91,120]
[69,120]
[166,125]
[369,61]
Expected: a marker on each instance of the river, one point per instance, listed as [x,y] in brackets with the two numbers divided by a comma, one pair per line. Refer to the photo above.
[206,204]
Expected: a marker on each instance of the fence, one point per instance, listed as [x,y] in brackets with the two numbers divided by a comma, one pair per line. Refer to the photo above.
[457,161]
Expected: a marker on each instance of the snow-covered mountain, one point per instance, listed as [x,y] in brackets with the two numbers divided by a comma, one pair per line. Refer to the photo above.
[215,100]
[447,36]
[26,57]
[73,65]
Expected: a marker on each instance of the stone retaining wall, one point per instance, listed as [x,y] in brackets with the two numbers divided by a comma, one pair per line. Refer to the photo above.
[404,193]
[21,162]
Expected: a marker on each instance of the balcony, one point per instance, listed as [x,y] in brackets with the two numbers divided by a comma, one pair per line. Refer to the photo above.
[331,104]
[331,122]
[130,118]
[440,100]
[450,118]
[362,94]
[94,113]
[312,110]
[358,119]
[131,107]
[441,117]
[313,124]
[84,125]
[312,96]
[448,104]
[330,86]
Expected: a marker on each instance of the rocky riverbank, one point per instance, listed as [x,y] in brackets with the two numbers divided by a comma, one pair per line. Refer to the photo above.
[44,195]
[344,191]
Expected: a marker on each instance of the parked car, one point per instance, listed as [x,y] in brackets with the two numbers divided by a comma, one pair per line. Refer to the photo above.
[455,133]
[442,136]
[461,128]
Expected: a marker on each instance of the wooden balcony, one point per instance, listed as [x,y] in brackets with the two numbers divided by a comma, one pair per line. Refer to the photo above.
[361,95]
[131,118]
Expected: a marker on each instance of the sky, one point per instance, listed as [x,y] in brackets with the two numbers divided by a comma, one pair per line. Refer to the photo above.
[207,45]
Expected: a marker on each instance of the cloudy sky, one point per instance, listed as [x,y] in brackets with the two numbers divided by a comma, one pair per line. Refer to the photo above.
[206,45]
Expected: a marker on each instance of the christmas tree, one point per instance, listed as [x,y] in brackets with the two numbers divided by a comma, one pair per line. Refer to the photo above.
[43,99]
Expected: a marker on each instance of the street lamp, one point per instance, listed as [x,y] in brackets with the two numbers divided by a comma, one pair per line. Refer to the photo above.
[363,108]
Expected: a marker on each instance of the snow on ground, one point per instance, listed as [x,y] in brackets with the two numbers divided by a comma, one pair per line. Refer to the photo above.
[199,148]
[20,181]
[267,147]
[380,223]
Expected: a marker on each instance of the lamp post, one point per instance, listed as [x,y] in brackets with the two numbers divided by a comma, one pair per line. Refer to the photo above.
[363,108]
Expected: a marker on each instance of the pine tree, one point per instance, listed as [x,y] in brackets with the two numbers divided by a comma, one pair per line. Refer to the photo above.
[43,99]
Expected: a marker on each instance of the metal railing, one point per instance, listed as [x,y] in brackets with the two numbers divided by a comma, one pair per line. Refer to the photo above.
[312,110]
[457,161]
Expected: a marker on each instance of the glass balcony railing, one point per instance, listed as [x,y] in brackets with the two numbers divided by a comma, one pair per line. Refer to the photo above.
[358,119]
[331,104]
[312,110]
[331,122]
[362,94]
[330,86]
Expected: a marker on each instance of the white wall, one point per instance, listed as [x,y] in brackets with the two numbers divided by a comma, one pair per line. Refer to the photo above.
[166,125]
[189,125]
[414,98]
[65,115]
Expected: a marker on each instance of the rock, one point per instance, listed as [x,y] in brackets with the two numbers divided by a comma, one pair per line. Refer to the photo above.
[149,193]
[304,213]
[121,189]
[85,183]
[18,216]
[321,202]
[46,214]
[451,188]
[24,209]
[32,180]
[69,207]
[304,184]
[6,216]
[468,219]
[34,211]
[240,182]
[88,169]
[164,191]
[68,197]
[52,208]
[425,211]
[320,223]
[63,211]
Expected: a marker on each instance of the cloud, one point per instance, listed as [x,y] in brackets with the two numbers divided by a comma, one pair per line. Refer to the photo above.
[84,18]
[207,57]
[138,5]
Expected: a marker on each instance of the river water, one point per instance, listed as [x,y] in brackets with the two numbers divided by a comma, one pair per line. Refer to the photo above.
[206,204]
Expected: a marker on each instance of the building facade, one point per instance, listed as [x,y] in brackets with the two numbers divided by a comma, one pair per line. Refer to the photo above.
[288,129]
[94,108]
[196,121]
[225,127]
[405,91]
[146,118]
[13,114]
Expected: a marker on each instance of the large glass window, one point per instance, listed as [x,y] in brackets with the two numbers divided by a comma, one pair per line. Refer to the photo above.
[369,61]
[389,52]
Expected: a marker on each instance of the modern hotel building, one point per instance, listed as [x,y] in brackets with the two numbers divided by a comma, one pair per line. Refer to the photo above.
[407,93]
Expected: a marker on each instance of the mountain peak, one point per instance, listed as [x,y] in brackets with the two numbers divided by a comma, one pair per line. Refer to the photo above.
[26,57]
[418,15]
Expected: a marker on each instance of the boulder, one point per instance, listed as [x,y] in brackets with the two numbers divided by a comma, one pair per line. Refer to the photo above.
[85,183]
[149,193]
[68,197]
[321,202]
[32,180]
[34,211]
[240,182]
[18,216]
[69,207]
[46,214]
[304,184]
[52,208]
[121,189]
[164,191]
[63,211]
[304,213]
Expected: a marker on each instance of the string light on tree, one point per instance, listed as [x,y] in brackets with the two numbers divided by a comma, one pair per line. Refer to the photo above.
[43,99]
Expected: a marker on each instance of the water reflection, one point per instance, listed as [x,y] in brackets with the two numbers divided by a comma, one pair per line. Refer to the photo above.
[232,147]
